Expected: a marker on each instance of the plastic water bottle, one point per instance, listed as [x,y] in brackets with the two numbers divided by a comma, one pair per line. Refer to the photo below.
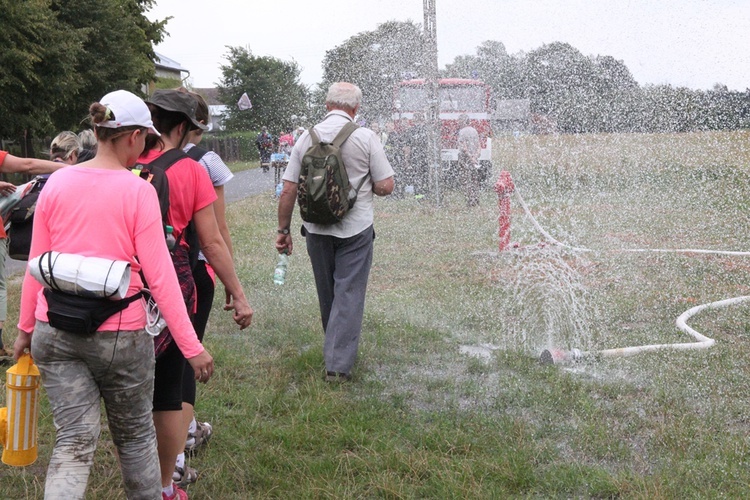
[156,328]
[170,238]
[279,275]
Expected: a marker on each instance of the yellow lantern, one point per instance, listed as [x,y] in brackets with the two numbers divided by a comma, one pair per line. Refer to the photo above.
[18,421]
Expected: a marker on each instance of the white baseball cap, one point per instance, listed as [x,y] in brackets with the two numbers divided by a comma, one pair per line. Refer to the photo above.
[128,110]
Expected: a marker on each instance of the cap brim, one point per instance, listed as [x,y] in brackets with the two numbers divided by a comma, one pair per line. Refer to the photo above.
[199,125]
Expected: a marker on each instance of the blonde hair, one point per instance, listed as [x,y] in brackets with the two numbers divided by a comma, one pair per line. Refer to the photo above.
[64,145]
[87,139]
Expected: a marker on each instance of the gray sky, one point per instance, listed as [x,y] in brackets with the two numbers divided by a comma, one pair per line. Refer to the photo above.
[692,43]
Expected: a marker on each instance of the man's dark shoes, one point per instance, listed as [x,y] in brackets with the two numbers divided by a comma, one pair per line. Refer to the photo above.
[337,378]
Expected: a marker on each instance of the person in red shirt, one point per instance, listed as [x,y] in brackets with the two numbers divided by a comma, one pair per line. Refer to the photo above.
[191,197]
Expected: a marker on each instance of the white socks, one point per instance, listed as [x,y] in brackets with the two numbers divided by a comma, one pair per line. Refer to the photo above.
[191,429]
[181,460]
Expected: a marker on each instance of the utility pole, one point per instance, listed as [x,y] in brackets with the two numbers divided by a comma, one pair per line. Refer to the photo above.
[432,113]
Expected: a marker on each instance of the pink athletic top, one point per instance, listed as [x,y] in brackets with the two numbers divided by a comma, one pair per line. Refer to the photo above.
[111,214]
[190,189]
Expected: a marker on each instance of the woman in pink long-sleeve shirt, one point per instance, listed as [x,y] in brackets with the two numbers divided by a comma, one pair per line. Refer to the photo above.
[99,208]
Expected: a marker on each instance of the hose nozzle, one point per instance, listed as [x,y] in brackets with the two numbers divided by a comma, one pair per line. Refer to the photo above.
[559,356]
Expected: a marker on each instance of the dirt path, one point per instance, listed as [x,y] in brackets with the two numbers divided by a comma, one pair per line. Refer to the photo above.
[248,183]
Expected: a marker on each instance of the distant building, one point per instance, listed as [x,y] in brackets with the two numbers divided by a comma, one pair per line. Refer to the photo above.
[216,108]
[167,69]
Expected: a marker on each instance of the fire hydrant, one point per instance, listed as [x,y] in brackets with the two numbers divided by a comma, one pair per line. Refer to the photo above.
[504,187]
[18,421]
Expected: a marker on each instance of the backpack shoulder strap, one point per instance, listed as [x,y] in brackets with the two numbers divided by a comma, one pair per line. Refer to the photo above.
[168,159]
[313,137]
[361,183]
[196,152]
[340,138]
[344,134]
[155,173]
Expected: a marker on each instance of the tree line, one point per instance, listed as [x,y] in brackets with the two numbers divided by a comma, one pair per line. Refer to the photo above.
[598,93]
[578,93]
[58,56]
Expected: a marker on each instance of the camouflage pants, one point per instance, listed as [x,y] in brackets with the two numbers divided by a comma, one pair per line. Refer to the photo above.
[77,372]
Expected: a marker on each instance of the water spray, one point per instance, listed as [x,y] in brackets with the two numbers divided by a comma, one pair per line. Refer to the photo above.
[562,356]
[554,241]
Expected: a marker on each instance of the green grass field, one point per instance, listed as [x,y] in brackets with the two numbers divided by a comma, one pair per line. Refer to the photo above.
[448,398]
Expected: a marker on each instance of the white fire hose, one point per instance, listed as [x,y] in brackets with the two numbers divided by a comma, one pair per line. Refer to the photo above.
[555,356]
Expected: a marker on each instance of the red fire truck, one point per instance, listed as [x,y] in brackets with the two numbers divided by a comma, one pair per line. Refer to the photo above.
[457,96]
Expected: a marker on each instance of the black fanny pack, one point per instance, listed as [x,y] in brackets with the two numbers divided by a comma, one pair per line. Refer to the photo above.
[81,315]
[75,313]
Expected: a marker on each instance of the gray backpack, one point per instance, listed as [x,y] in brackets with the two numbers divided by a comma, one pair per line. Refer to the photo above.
[324,193]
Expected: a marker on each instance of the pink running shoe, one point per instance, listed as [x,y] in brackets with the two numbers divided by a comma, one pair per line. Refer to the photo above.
[179,494]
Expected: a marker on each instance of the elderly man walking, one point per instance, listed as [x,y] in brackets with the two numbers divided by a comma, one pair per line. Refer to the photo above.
[340,253]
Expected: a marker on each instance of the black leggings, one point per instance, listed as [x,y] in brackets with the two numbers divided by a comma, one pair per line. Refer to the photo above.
[168,374]
[169,365]
[205,287]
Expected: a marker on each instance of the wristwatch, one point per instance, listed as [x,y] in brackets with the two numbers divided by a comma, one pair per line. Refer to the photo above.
[284,231]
